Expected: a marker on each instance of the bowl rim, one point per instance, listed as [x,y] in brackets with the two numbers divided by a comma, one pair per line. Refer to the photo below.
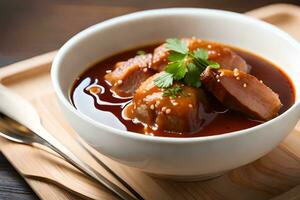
[165,12]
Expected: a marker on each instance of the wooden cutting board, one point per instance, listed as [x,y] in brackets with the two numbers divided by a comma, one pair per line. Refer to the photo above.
[276,175]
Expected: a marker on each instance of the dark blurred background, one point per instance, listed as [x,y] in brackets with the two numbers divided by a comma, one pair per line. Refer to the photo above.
[31,27]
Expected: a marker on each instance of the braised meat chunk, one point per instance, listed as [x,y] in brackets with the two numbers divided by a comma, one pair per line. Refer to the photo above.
[242,92]
[227,58]
[160,58]
[177,109]
[128,75]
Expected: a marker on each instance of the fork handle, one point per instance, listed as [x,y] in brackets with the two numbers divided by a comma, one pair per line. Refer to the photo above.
[16,107]
[56,146]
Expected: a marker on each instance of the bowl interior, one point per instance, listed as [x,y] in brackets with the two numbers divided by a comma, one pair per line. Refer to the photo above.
[119,34]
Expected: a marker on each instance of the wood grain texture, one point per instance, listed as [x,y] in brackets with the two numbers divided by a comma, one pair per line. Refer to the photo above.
[11,184]
[46,25]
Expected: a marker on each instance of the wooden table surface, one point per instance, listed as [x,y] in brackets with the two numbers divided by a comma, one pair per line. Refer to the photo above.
[33,27]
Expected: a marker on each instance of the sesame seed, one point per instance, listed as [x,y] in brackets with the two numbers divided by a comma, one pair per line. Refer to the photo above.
[120,82]
[222,74]
[115,84]
[175,103]
[238,78]
[168,111]
[157,104]
[152,107]
[217,76]
[145,69]
[218,80]
[236,72]
[261,81]
[190,105]
[209,46]
[164,109]
[244,85]
[212,52]
[135,121]
[108,71]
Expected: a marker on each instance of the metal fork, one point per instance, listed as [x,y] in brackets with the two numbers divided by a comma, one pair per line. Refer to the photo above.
[19,116]
[14,131]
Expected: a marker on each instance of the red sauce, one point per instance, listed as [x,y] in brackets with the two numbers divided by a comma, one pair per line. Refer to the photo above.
[103,106]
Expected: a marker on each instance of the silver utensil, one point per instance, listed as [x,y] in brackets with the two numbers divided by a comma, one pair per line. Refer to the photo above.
[17,112]
[16,132]
[116,176]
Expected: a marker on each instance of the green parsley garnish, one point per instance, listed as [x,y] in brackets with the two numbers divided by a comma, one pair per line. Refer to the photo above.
[177,45]
[192,76]
[140,53]
[164,80]
[172,91]
[184,65]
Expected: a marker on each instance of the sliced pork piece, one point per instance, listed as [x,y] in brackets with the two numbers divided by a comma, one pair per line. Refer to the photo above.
[160,58]
[227,58]
[242,92]
[186,112]
[127,76]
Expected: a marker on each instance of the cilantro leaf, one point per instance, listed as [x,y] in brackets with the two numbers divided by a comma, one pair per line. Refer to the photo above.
[178,69]
[164,80]
[213,64]
[172,91]
[192,77]
[140,52]
[200,54]
[201,58]
[177,45]
[201,63]
[175,56]
[184,65]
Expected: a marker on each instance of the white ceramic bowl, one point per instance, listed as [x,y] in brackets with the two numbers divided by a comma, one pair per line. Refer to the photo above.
[177,157]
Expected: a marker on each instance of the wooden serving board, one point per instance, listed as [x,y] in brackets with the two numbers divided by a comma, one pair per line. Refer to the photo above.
[275,176]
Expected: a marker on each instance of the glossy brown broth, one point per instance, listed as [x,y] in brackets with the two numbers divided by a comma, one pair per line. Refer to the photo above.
[107,108]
